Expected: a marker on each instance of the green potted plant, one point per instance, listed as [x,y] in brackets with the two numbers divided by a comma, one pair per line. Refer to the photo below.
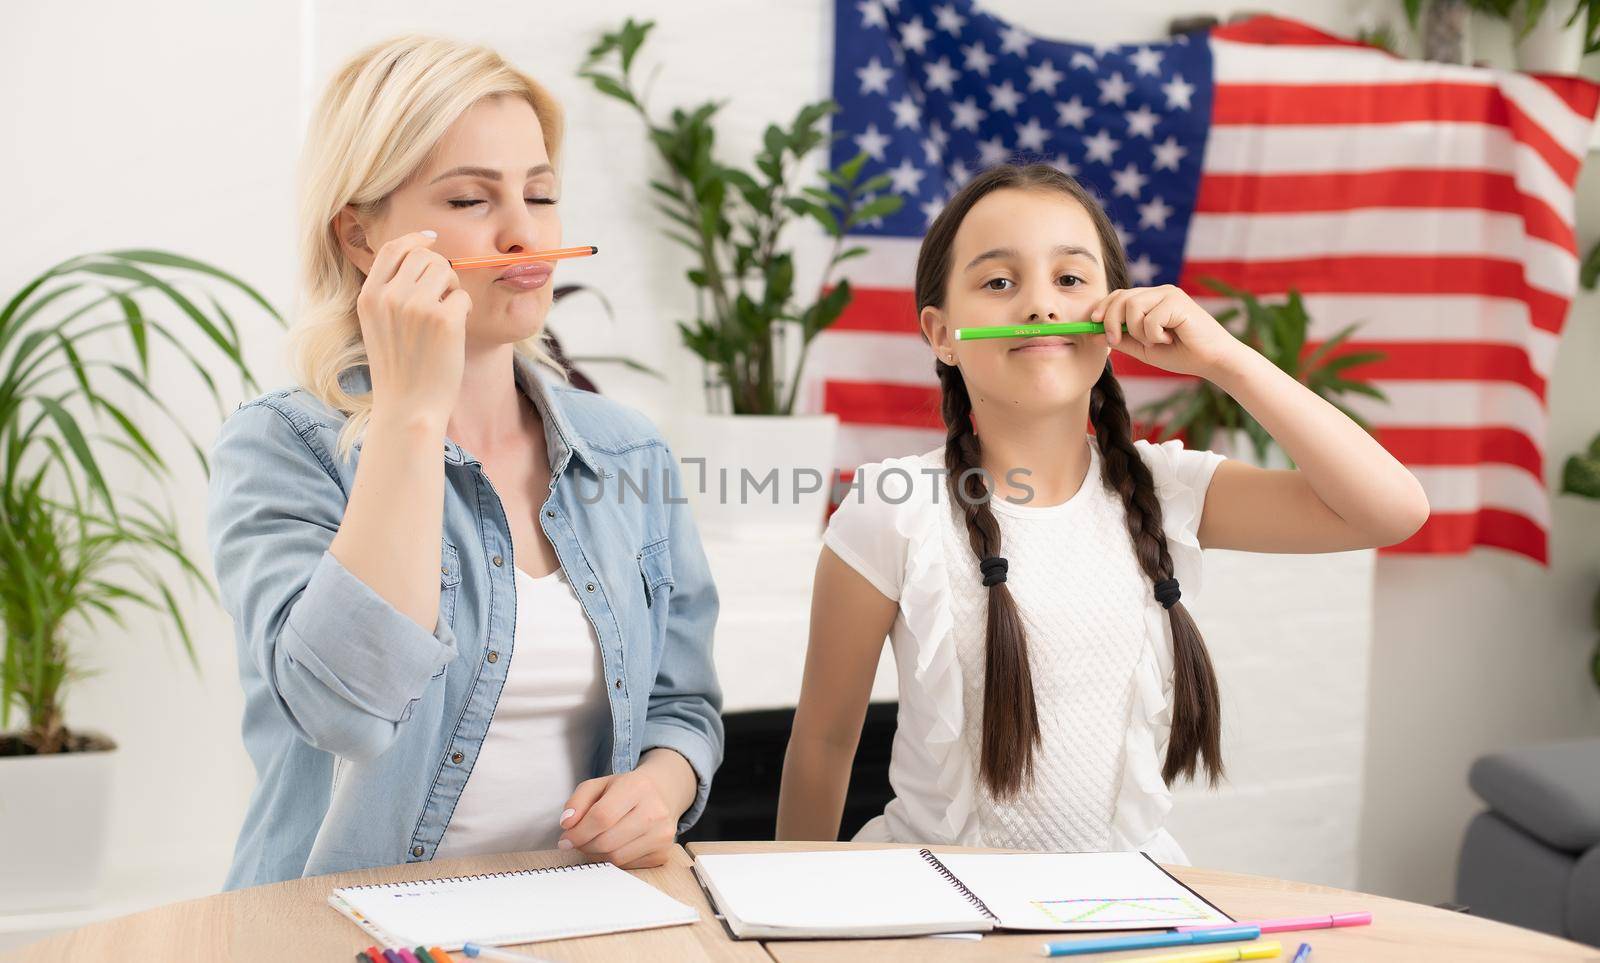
[1550,37]
[80,547]
[1581,476]
[752,326]
[1210,418]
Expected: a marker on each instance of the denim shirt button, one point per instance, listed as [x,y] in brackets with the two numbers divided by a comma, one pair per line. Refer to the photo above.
[456,758]
[590,586]
[549,513]
[498,561]
[494,657]
[619,683]
[416,850]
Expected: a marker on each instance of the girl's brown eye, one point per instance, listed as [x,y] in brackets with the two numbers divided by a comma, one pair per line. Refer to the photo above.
[990,284]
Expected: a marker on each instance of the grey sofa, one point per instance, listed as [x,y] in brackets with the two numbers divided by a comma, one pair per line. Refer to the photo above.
[1533,859]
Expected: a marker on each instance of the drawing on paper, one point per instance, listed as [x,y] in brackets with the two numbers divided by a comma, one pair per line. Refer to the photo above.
[1155,909]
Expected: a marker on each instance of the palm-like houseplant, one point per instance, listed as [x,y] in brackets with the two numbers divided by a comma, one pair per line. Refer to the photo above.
[72,545]
[80,543]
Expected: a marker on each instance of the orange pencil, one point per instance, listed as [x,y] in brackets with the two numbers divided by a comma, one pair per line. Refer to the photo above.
[502,260]
[440,955]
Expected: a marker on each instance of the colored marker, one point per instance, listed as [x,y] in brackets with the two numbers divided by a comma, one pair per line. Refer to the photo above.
[985,332]
[502,260]
[422,954]
[1302,954]
[1150,941]
[440,955]
[374,954]
[1295,923]
[390,956]
[1224,954]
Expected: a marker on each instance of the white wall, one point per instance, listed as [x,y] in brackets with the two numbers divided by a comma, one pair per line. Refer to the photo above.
[181,132]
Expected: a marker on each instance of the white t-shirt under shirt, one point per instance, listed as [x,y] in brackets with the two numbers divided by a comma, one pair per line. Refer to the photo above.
[1099,646]
[550,721]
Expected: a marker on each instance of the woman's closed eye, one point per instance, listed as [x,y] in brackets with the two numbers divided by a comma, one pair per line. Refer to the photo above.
[465,202]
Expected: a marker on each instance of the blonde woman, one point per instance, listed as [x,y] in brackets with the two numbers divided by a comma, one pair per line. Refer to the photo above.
[458,632]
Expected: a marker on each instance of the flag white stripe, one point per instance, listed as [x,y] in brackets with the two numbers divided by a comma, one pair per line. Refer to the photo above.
[1357,148]
[1417,404]
[1452,490]
[1377,231]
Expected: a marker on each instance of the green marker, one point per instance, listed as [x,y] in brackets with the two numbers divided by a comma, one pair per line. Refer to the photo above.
[1029,330]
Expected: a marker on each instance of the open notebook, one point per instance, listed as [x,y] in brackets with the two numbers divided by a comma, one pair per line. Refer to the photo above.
[499,908]
[907,892]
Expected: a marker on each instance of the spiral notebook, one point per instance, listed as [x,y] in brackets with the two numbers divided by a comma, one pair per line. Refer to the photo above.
[495,909]
[908,892]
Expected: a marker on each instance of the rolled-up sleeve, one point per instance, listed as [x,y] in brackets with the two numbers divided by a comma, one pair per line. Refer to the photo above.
[685,710]
[344,666]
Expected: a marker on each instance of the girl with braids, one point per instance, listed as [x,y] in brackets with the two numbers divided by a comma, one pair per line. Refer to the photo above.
[1029,575]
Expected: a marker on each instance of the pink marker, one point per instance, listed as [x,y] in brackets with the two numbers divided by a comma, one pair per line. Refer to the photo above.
[1293,923]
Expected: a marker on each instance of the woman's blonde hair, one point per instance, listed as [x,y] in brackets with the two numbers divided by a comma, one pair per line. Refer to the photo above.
[376,125]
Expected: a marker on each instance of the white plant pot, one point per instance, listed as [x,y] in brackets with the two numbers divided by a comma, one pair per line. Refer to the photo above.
[54,815]
[1552,47]
[762,476]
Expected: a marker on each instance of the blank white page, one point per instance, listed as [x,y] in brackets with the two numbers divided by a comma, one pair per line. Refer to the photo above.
[1080,891]
[502,908]
[845,892]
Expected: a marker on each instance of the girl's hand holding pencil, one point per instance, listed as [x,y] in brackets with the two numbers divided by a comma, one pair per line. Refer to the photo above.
[1161,326]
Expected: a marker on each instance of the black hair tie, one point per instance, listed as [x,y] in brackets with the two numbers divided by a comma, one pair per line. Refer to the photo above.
[1167,592]
[993,569]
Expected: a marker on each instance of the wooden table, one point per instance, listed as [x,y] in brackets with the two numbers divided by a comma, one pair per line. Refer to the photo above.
[292,921]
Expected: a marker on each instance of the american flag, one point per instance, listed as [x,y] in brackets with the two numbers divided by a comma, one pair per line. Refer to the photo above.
[1433,203]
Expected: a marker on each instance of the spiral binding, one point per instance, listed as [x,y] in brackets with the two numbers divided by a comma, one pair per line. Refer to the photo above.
[951,878]
[477,876]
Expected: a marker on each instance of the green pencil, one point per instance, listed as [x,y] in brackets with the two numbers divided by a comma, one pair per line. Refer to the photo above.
[1029,330]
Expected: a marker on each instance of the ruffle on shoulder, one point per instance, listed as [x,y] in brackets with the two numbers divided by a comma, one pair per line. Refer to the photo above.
[925,606]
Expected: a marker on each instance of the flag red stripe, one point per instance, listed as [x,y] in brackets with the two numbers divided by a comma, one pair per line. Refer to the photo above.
[1454,533]
[1263,105]
[1414,188]
[1412,361]
[1580,93]
[894,309]
[1441,445]
[1391,274]
[883,403]
[883,310]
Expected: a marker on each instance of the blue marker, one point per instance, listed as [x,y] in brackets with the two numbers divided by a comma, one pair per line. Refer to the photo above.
[1151,941]
[1302,954]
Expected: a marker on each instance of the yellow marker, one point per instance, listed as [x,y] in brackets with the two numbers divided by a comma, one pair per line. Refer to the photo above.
[1250,951]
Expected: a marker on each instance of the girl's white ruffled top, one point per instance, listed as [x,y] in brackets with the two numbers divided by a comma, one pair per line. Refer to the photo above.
[1099,646]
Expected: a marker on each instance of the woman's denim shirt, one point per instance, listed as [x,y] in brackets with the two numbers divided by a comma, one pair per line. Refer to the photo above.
[362,725]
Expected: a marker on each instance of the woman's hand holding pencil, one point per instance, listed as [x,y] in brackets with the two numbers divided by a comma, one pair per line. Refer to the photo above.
[413,316]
